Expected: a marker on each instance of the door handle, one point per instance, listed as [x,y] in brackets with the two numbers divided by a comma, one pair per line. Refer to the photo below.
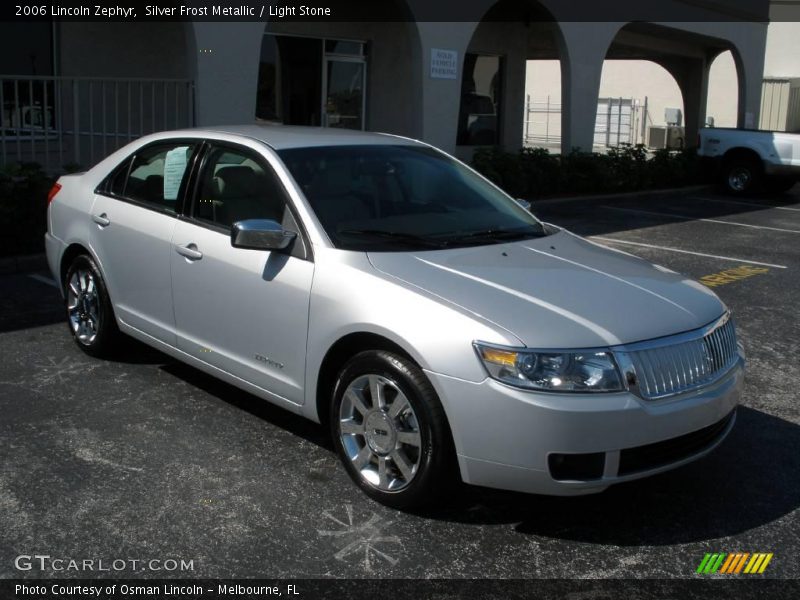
[102,220]
[190,251]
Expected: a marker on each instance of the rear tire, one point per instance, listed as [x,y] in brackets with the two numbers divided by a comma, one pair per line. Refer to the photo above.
[742,176]
[390,431]
[90,316]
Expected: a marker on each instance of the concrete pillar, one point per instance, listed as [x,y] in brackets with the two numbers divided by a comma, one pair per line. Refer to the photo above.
[750,70]
[583,48]
[441,98]
[226,60]
[691,75]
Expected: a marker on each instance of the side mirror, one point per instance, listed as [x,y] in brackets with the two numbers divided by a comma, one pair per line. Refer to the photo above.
[524,203]
[260,234]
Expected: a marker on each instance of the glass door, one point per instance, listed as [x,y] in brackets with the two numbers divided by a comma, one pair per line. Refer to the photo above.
[344,92]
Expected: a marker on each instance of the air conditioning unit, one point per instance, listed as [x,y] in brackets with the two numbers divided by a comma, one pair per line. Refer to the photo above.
[676,138]
[670,137]
[657,137]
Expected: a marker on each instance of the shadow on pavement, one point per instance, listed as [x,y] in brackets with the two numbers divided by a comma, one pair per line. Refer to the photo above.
[749,481]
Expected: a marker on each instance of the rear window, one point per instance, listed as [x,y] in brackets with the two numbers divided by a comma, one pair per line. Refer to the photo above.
[154,176]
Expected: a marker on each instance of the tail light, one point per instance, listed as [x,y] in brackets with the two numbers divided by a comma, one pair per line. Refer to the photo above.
[53,191]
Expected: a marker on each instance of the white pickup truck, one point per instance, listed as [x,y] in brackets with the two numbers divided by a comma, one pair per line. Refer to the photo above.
[749,160]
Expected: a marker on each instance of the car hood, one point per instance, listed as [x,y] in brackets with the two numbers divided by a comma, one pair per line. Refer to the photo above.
[560,291]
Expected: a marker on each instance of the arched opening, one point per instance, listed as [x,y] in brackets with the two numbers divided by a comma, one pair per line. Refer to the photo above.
[722,107]
[640,102]
[669,66]
[543,104]
[353,75]
[635,96]
[497,74]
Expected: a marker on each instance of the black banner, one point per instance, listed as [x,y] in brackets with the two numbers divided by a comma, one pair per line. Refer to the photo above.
[401,10]
[742,588]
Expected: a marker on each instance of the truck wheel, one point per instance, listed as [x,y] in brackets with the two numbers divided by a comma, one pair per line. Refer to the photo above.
[742,176]
[390,430]
[778,185]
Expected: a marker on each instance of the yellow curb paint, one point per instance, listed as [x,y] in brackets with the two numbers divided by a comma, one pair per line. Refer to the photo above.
[731,275]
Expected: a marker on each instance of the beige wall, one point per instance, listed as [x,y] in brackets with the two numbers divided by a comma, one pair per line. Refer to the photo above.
[783,50]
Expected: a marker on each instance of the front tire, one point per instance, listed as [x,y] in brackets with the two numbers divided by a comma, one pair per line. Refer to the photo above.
[90,316]
[742,176]
[390,431]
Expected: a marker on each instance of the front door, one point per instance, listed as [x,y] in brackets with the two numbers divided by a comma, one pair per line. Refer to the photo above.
[243,311]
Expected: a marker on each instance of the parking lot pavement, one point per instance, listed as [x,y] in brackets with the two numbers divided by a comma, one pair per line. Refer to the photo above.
[146,458]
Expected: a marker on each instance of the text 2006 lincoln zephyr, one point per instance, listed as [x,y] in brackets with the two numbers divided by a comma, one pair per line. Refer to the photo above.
[380,286]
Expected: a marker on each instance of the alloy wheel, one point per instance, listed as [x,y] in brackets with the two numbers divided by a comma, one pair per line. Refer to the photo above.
[83,306]
[380,432]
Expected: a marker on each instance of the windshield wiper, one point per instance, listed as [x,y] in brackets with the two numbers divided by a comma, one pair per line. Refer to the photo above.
[399,236]
[500,235]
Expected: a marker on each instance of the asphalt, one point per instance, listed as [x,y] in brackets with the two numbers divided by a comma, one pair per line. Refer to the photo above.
[145,458]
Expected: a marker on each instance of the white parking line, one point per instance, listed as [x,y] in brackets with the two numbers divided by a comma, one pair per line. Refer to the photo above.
[741,260]
[689,218]
[746,203]
[43,279]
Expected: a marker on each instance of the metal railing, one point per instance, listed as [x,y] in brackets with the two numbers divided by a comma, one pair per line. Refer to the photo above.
[58,121]
[618,121]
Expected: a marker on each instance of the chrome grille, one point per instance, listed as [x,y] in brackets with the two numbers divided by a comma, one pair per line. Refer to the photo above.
[667,368]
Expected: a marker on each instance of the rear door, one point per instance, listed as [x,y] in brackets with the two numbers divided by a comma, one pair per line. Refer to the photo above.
[243,311]
[133,218]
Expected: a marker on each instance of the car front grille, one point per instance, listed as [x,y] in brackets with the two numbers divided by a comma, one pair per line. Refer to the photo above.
[668,368]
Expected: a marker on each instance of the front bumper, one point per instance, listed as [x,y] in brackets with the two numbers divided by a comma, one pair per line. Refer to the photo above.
[513,439]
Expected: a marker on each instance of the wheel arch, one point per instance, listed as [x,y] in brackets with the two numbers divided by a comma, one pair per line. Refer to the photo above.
[338,354]
[71,253]
[742,152]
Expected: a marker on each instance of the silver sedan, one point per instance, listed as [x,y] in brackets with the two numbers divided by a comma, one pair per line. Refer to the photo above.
[378,285]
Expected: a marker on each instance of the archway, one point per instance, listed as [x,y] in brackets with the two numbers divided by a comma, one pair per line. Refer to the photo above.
[722,106]
[638,101]
[497,78]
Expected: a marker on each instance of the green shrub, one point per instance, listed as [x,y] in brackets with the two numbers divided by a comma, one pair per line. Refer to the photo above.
[533,172]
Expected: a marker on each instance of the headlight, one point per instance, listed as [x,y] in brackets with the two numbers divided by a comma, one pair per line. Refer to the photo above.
[582,371]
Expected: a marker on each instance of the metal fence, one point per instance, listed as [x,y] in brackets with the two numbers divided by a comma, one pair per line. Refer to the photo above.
[618,121]
[58,121]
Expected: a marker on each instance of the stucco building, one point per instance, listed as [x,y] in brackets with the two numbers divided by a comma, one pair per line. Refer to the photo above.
[455,84]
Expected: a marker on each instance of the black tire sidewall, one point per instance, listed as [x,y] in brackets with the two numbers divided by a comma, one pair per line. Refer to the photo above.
[434,474]
[107,332]
[755,176]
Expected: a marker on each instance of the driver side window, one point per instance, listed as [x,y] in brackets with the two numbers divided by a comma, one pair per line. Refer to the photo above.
[235,186]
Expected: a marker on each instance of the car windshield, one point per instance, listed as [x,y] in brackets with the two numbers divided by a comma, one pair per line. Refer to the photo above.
[403,197]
